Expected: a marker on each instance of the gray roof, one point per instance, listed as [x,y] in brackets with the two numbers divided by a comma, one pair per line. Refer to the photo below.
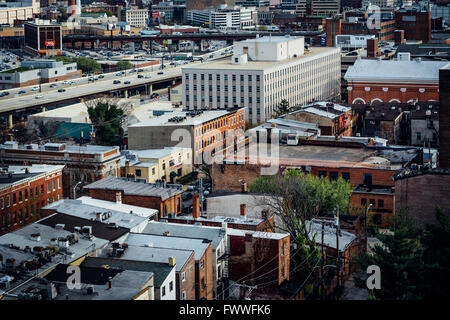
[345,238]
[215,234]
[156,254]
[160,270]
[144,240]
[136,188]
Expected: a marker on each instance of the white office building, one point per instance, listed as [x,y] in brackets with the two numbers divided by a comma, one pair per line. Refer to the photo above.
[261,73]
[224,17]
[135,17]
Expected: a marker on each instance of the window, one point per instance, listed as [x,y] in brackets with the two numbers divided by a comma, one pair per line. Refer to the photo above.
[42,189]
[49,186]
[367,179]
[201,264]
[183,295]
[59,183]
[20,196]
[163,291]
[363,202]
[153,171]
[2,203]
[37,192]
[183,276]
[170,286]
[333,175]
[419,135]
[322,174]
[54,185]
[14,198]
[26,194]
[346,176]
[372,202]
[138,172]
[8,201]
[380,203]
[31,193]
[282,249]
[164,166]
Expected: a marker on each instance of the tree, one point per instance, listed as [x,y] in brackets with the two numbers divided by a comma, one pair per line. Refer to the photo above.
[399,258]
[295,198]
[107,118]
[282,108]
[124,65]
[88,65]
[436,240]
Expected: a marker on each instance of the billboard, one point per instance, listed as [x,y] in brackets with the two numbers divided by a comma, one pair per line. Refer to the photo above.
[157,14]
[50,43]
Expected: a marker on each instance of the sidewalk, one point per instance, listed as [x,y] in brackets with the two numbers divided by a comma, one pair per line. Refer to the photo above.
[351,291]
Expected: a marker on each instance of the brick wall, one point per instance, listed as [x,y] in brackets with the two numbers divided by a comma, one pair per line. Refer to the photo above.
[205,275]
[419,195]
[386,209]
[188,285]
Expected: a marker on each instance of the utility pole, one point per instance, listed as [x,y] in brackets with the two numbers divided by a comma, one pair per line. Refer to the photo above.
[338,259]
[322,291]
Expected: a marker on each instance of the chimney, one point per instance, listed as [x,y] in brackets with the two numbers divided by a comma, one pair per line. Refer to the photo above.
[399,37]
[118,197]
[196,206]
[109,282]
[372,48]
[244,187]
[172,261]
[243,210]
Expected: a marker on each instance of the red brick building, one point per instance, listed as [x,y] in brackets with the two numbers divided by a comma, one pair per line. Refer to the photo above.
[165,198]
[258,257]
[393,81]
[83,164]
[416,25]
[24,191]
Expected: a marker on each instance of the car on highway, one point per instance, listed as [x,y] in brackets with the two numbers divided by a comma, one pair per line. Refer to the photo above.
[118,74]
[21,92]
[65,82]
[4,93]
[154,95]
[53,85]
[101,76]
[127,82]
[140,76]
[116,81]
[72,82]
[172,63]
[62,90]
[38,96]
[140,70]
[160,72]
[35,88]
[148,76]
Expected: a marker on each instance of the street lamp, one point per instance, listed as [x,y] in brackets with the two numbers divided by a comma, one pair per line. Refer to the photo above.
[75,189]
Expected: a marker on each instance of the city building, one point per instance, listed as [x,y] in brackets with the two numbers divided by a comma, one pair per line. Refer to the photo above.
[415,23]
[165,198]
[205,132]
[253,3]
[98,283]
[444,116]
[204,259]
[217,235]
[17,12]
[316,7]
[164,282]
[258,258]
[24,190]
[168,164]
[203,4]
[403,80]
[83,164]
[184,261]
[35,72]
[170,12]
[259,76]
[43,38]
[333,119]
[135,17]
[224,17]
[425,124]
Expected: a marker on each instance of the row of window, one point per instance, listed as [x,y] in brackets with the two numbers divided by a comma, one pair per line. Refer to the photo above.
[372,202]
[32,193]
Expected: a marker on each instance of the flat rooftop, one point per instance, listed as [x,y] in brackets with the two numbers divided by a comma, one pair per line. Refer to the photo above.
[155,254]
[215,234]
[186,119]
[258,234]
[225,64]
[143,240]
[135,210]
[136,188]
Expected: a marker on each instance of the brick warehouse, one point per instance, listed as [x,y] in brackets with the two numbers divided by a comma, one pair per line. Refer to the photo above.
[24,190]
[404,80]
[165,198]
[86,163]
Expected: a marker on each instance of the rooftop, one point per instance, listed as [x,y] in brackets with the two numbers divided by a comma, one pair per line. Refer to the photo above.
[315,231]
[324,109]
[215,234]
[99,229]
[160,270]
[85,149]
[136,188]
[258,65]
[374,189]
[147,240]
[121,214]
[258,234]
[156,254]
[23,173]
[389,70]
[182,118]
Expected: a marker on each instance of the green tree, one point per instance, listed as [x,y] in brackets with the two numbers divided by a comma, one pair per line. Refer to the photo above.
[436,240]
[83,63]
[282,108]
[107,118]
[295,198]
[400,259]
[124,65]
